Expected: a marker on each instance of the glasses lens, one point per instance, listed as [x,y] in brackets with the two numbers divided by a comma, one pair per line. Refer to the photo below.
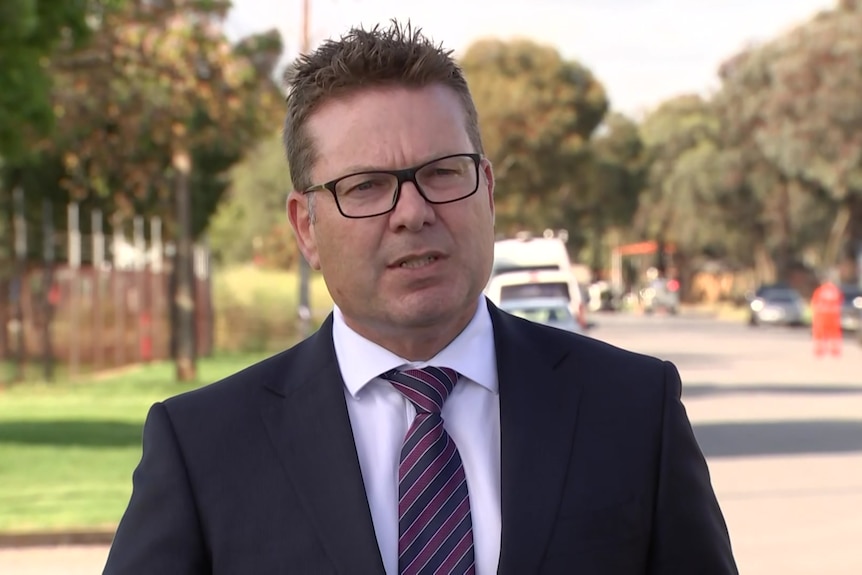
[448,179]
[366,194]
[441,181]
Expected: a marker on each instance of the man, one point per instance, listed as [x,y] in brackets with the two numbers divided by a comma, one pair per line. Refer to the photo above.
[420,430]
[826,302]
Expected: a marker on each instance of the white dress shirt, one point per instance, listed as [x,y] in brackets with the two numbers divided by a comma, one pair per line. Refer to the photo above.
[380,417]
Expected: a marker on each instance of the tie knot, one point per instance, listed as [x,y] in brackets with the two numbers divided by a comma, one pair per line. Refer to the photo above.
[426,388]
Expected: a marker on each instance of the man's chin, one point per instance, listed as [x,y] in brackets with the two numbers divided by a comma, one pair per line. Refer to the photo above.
[428,310]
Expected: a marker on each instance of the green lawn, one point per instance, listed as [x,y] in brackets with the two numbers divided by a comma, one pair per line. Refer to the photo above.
[67,451]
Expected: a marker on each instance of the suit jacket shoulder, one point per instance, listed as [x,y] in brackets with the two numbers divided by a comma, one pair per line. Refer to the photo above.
[280,374]
[256,473]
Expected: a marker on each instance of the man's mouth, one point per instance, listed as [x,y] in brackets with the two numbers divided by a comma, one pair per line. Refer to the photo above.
[411,263]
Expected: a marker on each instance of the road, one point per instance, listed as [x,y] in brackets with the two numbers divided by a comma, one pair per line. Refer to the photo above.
[781,429]
[782,432]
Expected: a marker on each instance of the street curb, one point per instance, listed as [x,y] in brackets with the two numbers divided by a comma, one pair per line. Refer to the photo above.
[54,539]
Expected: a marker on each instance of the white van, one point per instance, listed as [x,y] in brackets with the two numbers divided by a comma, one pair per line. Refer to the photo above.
[529,253]
[529,284]
[526,254]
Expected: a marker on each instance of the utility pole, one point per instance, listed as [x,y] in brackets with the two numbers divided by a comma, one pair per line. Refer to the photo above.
[306,18]
[304,309]
[185,352]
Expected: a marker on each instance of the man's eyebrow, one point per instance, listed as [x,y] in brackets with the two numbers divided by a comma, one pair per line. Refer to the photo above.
[356,168]
[362,168]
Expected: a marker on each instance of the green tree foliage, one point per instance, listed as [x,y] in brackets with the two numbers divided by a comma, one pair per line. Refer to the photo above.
[609,187]
[157,81]
[31,31]
[149,117]
[800,95]
[154,79]
[681,136]
[251,224]
[537,113]
[765,214]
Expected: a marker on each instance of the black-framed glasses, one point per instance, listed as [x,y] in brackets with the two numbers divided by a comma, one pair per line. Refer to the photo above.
[374,193]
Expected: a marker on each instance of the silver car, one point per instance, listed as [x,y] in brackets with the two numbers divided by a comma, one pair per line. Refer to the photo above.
[851,308]
[661,294]
[777,305]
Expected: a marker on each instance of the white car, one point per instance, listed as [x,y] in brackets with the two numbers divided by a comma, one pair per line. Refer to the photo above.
[521,285]
[552,311]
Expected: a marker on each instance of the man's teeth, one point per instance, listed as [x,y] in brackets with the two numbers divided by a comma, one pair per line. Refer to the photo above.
[418,262]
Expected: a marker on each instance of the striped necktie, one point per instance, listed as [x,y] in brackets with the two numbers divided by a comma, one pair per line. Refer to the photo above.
[435,529]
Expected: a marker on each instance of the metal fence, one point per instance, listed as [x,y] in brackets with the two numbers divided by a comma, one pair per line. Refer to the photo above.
[88,302]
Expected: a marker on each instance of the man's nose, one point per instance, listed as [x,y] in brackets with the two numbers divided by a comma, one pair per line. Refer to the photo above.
[412,210]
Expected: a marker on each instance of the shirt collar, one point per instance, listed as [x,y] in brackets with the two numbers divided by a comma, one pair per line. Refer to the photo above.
[471,353]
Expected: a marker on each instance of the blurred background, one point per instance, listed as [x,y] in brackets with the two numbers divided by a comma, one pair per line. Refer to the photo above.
[701,163]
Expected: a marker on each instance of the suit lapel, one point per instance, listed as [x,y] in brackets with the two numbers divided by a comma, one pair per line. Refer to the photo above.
[537,419]
[307,420]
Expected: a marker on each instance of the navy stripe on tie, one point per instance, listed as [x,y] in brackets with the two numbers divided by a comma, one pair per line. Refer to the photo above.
[435,526]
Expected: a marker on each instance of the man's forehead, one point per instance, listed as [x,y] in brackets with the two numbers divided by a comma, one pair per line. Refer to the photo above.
[370,131]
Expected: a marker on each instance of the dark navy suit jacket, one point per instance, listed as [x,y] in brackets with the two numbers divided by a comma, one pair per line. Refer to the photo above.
[258,473]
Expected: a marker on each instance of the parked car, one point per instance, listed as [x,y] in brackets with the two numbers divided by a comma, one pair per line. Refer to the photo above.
[601,297]
[661,294]
[777,304]
[554,312]
[851,308]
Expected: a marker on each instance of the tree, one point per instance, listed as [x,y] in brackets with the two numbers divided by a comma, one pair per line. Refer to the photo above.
[677,205]
[251,221]
[801,92]
[31,31]
[611,183]
[681,137]
[537,113]
[765,212]
[158,95]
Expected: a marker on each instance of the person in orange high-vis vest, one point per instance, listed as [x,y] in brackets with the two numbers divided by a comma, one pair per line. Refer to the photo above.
[826,318]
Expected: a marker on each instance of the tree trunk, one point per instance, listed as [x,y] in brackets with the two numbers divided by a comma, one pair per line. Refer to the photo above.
[784,229]
[184,301]
[840,225]
[47,289]
[4,322]
[854,245]
[20,270]
[764,266]
[5,272]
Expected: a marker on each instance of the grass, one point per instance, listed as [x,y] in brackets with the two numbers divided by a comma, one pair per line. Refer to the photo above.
[67,451]
[256,310]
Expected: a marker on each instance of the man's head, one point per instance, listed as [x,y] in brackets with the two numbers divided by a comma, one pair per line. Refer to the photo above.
[383,134]
[395,56]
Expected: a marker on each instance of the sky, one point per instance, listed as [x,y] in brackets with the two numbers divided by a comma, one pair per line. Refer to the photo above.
[643,51]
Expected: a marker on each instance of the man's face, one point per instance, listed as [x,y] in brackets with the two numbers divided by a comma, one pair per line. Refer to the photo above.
[421,266]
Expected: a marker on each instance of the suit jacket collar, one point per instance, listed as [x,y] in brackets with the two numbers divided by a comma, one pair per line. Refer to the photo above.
[538,412]
[310,430]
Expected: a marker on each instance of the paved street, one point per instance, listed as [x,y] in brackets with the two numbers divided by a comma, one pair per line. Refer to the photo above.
[782,431]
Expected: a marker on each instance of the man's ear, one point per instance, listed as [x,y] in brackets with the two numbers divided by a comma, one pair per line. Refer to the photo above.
[488,171]
[303,229]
